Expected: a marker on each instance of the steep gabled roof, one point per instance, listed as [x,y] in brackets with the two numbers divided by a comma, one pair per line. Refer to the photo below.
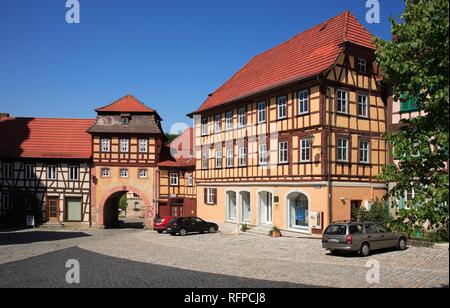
[305,55]
[127,104]
[45,138]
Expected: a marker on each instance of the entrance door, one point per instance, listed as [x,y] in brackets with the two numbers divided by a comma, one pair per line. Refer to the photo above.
[266,207]
[53,209]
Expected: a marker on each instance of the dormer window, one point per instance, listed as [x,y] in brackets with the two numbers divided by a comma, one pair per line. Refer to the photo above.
[125,119]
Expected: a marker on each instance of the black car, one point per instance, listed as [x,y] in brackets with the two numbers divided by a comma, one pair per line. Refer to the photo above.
[185,225]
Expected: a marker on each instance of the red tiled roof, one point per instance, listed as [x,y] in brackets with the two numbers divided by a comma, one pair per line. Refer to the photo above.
[180,152]
[126,104]
[45,138]
[305,55]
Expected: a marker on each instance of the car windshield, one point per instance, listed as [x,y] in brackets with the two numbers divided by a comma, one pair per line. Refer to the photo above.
[336,230]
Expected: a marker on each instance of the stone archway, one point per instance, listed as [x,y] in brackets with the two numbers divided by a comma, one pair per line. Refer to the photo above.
[107,211]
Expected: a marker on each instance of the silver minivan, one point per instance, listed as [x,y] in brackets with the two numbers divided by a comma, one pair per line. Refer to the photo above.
[362,237]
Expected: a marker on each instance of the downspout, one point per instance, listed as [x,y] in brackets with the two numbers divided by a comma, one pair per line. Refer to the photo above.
[329,149]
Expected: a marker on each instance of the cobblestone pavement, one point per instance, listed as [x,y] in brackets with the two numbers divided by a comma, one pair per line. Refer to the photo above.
[293,260]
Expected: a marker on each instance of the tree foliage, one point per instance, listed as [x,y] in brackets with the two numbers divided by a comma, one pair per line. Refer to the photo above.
[415,63]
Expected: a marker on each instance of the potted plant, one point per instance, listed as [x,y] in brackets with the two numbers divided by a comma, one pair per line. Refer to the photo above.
[275,232]
[245,228]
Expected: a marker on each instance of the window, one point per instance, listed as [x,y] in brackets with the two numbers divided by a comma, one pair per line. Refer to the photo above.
[211,196]
[371,229]
[262,153]
[342,101]
[125,120]
[241,117]
[73,210]
[7,171]
[143,146]
[218,123]
[342,150]
[283,150]
[303,102]
[282,107]
[242,156]
[231,206]
[204,127]
[230,158]
[218,159]
[106,145]
[30,172]
[246,206]
[51,173]
[362,66]
[305,150]
[205,160]
[363,106]
[190,180]
[124,145]
[364,151]
[143,173]
[106,173]
[229,120]
[123,173]
[174,179]
[6,202]
[74,173]
[262,112]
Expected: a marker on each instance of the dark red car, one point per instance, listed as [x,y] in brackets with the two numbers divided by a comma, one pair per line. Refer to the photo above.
[161,223]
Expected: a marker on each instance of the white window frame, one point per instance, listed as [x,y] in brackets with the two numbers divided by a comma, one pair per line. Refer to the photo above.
[74,173]
[204,127]
[366,150]
[218,123]
[362,66]
[303,102]
[241,117]
[7,171]
[342,102]
[124,145]
[143,145]
[229,121]
[282,107]
[210,196]
[262,112]
[30,172]
[230,158]
[242,156]
[205,160]
[342,148]
[363,105]
[262,154]
[219,159]
[283,152]
[305,151]
[124,173]
[106,172]
[106,145]
[143,173]
[52,172]
[174,179]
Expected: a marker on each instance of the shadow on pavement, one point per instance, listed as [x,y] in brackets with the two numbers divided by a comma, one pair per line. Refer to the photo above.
[19,238]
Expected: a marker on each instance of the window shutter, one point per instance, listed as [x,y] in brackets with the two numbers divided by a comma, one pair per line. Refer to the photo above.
[205,195]
[215,196]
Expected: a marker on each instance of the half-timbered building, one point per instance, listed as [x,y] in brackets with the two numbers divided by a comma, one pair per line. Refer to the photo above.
[47,160]
[294,138]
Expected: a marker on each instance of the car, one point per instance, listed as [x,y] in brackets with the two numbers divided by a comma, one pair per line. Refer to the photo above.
[186,225]
[361,237]
[161,224]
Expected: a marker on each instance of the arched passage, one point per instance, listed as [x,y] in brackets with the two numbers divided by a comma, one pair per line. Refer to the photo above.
[109,209]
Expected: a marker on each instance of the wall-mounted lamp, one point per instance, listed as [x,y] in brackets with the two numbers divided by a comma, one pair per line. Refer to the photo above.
[311,139]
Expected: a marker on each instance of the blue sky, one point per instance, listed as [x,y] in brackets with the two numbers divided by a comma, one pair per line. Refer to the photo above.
[170,54]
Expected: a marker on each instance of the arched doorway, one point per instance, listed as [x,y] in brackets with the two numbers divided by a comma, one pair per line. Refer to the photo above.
[125,207]
[298,211]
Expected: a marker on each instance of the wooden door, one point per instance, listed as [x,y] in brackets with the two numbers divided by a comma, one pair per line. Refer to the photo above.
[53,209]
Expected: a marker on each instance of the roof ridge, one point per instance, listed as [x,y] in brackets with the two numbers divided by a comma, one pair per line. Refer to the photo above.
[347,13]
[48,118]
[125,97]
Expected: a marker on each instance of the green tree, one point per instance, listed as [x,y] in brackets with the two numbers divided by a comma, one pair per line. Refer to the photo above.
[123,203]
[415,64]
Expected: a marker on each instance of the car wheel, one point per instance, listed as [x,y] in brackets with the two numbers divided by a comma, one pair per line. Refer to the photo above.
[402,244]
[183,232]
[160,232]
[173,234]
[212,229]
[334,252]
[365,250]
